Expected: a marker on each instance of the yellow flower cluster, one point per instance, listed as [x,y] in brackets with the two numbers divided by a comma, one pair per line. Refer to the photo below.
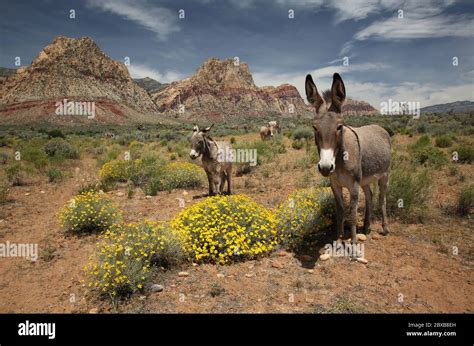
[225,228]
[303,215]
[182,175]
[88,212]
[126,254]
[119,170]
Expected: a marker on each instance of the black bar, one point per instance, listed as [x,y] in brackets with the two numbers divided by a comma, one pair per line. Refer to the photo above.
[240,329]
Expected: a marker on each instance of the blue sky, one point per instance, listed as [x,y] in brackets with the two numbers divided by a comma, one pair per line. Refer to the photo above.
[405,59]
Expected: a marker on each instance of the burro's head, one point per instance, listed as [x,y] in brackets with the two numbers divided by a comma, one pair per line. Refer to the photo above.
[198,141]
[328,122]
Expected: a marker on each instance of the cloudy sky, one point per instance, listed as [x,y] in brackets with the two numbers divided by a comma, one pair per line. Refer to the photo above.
[402,55]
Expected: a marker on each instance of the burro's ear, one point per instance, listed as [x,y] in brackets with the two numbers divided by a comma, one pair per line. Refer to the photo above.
[207,129]
[338,93]
[312,93]
[195,128]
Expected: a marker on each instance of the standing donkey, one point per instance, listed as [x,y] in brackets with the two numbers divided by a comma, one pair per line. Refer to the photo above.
[215,159]
[266,132]
[351,157]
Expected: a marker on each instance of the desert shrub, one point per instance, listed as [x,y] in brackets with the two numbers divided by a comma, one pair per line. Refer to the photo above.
[303,132]
[4,190]
[119,170]
[297,144]
[443,141]
[466,201]
[54,175]
[35,156]
[55,134]
[3,158]
[223,229]
[176,175]
[232,140]
[465,153]
[16,174]
[304,216]
[429,155]
[89,212]
[409,192]
[126,255]
[60,148]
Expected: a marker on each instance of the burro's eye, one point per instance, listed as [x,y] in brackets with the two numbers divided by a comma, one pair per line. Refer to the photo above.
[339,128]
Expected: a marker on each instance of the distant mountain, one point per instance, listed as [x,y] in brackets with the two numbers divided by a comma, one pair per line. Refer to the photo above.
[76,70]
[456,107]
[220,89]
[149,84]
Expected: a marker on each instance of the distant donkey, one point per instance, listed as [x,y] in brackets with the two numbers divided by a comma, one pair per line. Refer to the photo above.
[266,132]
[215,159]
[351,157]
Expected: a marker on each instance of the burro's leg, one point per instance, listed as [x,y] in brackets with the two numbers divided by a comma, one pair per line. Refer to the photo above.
[368,208]
[229,179]
[337,191]
[209,180]
[352,214]
[222,178]
[383,187]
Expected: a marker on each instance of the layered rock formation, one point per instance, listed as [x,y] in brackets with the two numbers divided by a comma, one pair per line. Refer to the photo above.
[221,89]
[77,70]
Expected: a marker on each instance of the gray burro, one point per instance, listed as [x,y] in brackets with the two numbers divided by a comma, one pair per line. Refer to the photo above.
[352,157]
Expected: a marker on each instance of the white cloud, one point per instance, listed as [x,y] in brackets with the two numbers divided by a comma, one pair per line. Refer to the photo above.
[142,71]
[374,93]
[159,20]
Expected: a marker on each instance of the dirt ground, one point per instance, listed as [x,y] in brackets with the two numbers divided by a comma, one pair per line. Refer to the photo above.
[414,269]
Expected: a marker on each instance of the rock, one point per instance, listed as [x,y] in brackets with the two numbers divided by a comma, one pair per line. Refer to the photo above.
[94,311]
[185,193]
[376,236]
[120,194]
[281,253]
[27,194]
[325,257]
[142,297]
[156,288]
[42,191]
[148,197]
[249,275]
[183,274]
[220,275]
[101,192]
[311,271]
[277,265]
[195,264]
[361,237]
[362,260]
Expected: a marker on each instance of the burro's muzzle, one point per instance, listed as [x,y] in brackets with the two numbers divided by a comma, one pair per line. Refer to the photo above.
[327,163]
[193,154]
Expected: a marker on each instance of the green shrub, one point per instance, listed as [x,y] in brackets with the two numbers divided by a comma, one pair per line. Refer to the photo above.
[409,192]
[465,153]
[303,132]
[54,175]
[55,134]
[34,155]
[89,212]
[60,148]
[16,174]
[297,144]
[430,156]
[466,201]
[444,141]
[4,190]
[304,216]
